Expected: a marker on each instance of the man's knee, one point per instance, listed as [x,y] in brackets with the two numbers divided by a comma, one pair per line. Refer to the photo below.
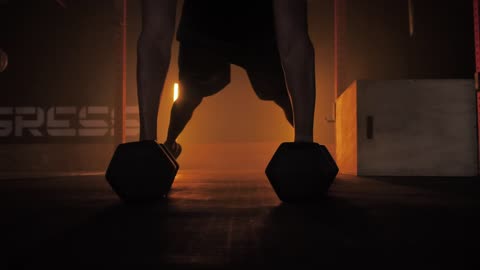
[266,90]
[189,100]
[266,97]
[283,101]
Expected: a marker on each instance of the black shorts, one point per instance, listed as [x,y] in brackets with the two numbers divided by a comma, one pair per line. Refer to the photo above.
[205,69]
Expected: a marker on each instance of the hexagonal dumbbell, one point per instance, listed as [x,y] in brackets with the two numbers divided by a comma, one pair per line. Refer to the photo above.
[141,171]
[301,172]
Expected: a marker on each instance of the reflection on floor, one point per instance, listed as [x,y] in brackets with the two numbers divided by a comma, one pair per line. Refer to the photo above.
[225,220]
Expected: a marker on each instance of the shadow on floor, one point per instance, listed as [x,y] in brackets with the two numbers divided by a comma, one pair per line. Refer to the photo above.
[165,235]
[210,223]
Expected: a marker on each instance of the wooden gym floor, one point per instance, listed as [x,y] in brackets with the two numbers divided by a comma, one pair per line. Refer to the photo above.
[225,220]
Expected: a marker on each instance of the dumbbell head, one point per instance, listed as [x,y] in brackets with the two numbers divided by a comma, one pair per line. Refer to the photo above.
[301,172]
[141,171]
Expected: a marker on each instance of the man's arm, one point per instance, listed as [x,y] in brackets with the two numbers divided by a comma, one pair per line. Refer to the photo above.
[298,61]
[153,60]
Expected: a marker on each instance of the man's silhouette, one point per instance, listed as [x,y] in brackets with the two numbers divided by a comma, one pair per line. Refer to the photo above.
[260,36]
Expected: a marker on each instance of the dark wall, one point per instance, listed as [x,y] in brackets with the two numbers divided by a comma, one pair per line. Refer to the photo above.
[379,45]
[443,43]
[59,57]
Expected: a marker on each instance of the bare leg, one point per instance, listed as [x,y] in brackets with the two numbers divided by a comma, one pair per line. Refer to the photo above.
[181,113]
[153,60]
[297,55]
[268,78]
[286,105]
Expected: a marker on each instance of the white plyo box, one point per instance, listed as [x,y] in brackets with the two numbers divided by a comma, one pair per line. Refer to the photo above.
[407,128]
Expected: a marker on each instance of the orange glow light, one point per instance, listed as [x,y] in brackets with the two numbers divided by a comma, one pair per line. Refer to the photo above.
[175,92]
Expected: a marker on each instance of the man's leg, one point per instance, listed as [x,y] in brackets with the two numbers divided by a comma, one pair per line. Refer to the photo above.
[153,59]
[181,113]
[274,86]
[285,104]
[298,61]
[203,71]
[264,70]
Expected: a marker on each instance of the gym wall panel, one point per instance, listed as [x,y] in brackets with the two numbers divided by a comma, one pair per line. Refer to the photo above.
[378,44]
[57,94]
[64,69]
